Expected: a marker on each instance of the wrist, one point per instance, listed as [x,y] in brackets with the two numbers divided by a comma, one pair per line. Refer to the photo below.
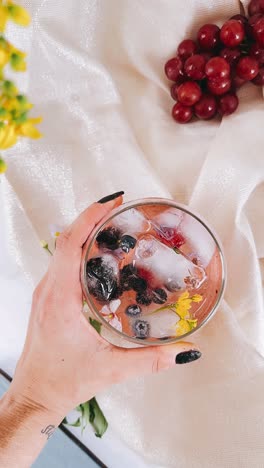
[25,409]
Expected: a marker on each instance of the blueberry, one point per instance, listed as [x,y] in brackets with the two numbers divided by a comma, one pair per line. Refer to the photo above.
[159,296]
[127,242]
[109,238]
[101,279]
[141,329]
[144,298]
[133,310]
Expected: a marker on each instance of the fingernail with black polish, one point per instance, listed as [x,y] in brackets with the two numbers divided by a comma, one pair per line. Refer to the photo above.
[111,197]
[188,356]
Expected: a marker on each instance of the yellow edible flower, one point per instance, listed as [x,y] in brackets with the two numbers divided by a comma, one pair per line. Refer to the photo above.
[28,128]
[17,60]
[18,14]
[8,136]
[3,17]
[182,327]
[3,166]
[4,58]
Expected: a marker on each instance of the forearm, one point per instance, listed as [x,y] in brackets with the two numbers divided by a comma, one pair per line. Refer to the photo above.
[24,430]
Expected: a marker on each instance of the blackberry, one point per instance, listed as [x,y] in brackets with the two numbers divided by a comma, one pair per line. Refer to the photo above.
[138,284]
[144,298]
[159,296]
[141,329]
[127,242]
[109,238]
[126,274]
[117,293]
[101,279]
[133,310]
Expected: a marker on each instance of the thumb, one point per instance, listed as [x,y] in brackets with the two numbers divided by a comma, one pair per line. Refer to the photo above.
[141,361]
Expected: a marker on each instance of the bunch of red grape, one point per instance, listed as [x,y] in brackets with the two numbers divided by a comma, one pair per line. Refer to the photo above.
[208,72]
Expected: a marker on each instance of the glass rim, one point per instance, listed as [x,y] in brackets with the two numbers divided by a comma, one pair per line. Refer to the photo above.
[89,243]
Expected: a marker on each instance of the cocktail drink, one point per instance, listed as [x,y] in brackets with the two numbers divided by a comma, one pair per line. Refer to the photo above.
[152,272]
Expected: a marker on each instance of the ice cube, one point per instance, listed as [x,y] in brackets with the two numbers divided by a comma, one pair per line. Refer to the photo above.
[163,323]
[131,221]
[200,240]
[170,218]
[167,265]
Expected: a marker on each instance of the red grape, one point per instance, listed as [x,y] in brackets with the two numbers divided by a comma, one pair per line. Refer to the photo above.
[217,67]
[230,55]
[256,6]
[189,93]
[219,87]
[173,91]
[243,19]
[254,19]
[174,88]
[208,36]
[206,55]
[181,113]
[194,67]
[247,68]
[238,82]
[259,79]
[205,108]
[232,33]
[258,30]
[228,104]
[173,68]
[257,53]
[187,48]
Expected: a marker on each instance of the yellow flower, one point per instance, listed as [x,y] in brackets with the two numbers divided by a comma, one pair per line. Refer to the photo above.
[28,128]
[183,305]
[4,57]
[197,298]
[182,327]
[3,18]
[9,89]
[18,14]
[8,136]
[3,166]
[17,61]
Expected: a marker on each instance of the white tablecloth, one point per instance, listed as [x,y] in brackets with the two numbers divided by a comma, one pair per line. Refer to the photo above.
[96,76]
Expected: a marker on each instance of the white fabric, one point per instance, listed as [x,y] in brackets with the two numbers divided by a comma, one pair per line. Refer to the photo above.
[96,76]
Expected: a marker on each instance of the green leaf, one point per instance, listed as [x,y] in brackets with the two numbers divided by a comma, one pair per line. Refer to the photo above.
[97,419]
[75,424]
[177,251]
[97,325]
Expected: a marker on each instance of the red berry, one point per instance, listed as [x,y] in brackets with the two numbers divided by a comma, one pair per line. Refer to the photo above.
[256,6]
[206,55]
[208,36]
[189,93]
[174,89]
[247,68]
[182,114]
[228,104]
[237,82]
[219,87]
[206,108]
[187,48]
[194,67]
[259,80]
[258,53]
[254,19]
[243,19]
[171,237]
[173,68]
[230,55]
[217,67]
[232,33]
[258,30]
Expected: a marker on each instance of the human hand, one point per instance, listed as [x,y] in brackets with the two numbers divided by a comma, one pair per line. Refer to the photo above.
[65,361]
